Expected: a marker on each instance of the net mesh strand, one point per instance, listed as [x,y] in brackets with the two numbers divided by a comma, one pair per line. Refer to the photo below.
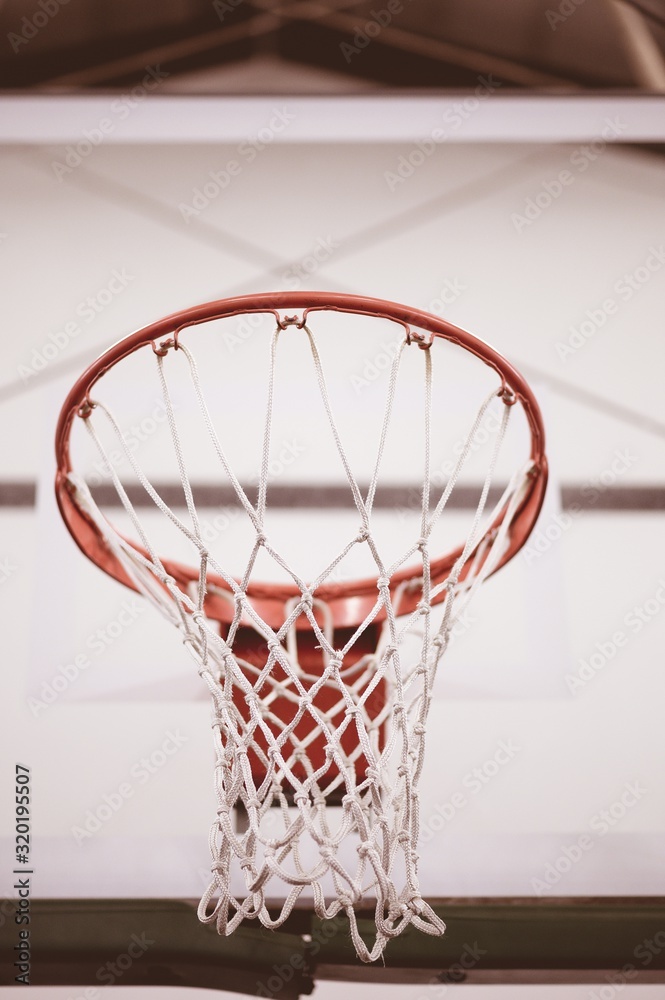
[291,739]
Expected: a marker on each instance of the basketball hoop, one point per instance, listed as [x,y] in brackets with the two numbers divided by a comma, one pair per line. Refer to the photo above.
[317,717]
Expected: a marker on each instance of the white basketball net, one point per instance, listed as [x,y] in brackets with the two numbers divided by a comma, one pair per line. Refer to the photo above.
[365,846]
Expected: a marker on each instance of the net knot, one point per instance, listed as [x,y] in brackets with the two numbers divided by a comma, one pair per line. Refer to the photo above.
[366,847]
[419,729]
[424,608]
[402,772]
[300,796]
[260,538]
[353,710]
[383,583]
[274,646]
[307,598]
[253,803]
[327,853]
[336,661]
[398,708]
[422,543]
[372,773]
[363,534]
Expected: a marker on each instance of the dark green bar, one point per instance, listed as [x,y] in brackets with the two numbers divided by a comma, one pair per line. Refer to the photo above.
[73,940]
[500,940]
[489,941]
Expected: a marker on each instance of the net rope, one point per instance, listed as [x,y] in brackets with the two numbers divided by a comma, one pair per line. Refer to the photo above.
[367,713]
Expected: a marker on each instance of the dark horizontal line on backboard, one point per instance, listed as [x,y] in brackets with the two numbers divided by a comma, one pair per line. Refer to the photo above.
[335,496]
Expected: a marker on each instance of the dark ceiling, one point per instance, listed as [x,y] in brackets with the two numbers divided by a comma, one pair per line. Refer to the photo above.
[544,45]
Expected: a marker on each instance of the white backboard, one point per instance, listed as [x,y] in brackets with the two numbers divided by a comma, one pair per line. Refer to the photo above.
[546,730]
